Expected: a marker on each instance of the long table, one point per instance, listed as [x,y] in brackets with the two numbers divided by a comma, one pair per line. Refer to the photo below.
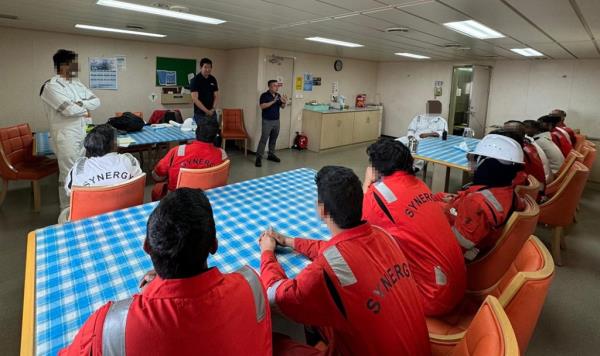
[73,269]
[444,155]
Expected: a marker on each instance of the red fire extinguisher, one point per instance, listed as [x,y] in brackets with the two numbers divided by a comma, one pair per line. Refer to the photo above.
[300,141]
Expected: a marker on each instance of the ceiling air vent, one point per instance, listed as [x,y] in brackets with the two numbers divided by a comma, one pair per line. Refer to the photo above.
[397,29]
[134,27]
[8,17]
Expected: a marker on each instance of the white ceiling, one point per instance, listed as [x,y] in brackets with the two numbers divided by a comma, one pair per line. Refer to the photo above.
[561,29]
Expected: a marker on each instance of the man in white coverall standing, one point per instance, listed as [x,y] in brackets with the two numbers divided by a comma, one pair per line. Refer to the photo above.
[67,104]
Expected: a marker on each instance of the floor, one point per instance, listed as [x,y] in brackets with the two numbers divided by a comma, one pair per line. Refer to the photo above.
[570,320]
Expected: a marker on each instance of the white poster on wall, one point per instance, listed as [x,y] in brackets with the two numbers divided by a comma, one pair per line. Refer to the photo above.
[121,62]
[103,73]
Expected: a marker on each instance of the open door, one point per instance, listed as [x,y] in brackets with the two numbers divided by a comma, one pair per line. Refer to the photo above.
[480,92]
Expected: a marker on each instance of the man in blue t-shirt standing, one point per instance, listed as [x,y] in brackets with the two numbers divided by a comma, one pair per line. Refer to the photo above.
[270,103]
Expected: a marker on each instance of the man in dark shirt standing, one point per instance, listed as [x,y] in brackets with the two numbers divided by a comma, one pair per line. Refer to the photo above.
[270,103]
[205,93]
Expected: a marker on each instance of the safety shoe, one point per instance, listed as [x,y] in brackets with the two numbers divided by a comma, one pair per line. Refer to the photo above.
[258,162]
[273,158]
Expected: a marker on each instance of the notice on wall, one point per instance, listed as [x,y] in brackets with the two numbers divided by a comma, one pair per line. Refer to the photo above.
[279,81]
[308,83]
[121,63]
[103,73]
[316,81]
[298,83]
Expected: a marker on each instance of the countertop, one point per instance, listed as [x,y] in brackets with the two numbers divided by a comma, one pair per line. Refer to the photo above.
[335,111]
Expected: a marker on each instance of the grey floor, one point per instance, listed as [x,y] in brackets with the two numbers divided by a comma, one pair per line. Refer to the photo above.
[570,320]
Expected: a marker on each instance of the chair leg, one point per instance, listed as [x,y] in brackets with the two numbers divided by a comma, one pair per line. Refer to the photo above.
[556,238]
[37,195]
[223,143]
[4,190]
[246,147]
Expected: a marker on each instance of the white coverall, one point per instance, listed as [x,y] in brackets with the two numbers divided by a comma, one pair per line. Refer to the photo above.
[67,120]
[421,124]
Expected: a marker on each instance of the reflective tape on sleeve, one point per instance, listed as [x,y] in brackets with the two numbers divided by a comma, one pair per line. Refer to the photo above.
[339,266]
[113,331]
[257,291]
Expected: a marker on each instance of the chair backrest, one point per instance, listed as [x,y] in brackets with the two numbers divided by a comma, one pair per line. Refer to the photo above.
[136,113]
[485,273]
[562,172]
[532,188]
[559,210]
[523,289]
[90,201]
[490,333]
[579,141]
[589,156]
[233,119]
[16,146]
[205,178]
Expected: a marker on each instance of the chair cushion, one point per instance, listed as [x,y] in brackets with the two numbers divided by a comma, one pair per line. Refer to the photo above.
[36,168]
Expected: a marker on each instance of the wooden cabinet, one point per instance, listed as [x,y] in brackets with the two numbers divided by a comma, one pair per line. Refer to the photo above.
[333,129]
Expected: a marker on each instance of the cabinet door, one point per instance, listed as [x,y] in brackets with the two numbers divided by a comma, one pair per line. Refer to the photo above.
[346,128]
[372,125]
[330,136]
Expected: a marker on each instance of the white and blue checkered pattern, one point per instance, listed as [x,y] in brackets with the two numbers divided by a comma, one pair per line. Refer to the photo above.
[149,135]
[82,265]
[435,148]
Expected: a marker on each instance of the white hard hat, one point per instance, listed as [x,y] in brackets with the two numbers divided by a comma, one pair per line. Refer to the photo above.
[502,148]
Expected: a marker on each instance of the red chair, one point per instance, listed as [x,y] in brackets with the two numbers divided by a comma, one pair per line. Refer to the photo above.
[589,156]
[490,333]
[559,211]
[562,172]
[205,178]
[17,161]
[485,273]
[532,188]
[521,291]
[90,201]
[233,127]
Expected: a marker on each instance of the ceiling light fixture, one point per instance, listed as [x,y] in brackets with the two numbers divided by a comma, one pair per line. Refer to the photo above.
[411,55]
[527,52]
[159,11]
[118,30]
[333,42]
[473,28]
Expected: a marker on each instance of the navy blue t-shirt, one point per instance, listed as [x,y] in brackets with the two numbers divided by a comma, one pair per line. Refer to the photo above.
[272,112]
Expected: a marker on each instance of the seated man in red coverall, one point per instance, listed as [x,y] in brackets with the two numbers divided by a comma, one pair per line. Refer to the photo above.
[478,213]
[559,137]
[532,155]
[403,205]
[562,126]
[199,154]
[358,291]
[189,308]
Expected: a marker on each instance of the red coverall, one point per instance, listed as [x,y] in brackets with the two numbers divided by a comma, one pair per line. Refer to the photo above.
[533,163]
[569,131]
[562,141]
[359,290]
[194,155]
[423,233]
[208,314]
[477,216]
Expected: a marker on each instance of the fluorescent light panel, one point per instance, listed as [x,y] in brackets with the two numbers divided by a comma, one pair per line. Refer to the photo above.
[411,55]
[473,28]
[118,30]
[333,42]
[527,52]
[160,12]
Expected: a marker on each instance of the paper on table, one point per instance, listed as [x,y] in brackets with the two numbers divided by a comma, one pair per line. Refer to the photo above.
[463,147]
[160,126]
[125,141]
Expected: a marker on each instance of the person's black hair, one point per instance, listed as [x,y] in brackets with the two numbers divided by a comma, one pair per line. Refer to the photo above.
[492,173]
[271,82]
[513,122]
[388,156]
[550,119]
[340,192]
[515,135]
[561,113]
[100,141]
[207,130]
[63,56]
[532,125]
[204,61]
[180,234]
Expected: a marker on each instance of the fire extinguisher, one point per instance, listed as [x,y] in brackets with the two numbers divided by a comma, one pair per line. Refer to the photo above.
[300,141]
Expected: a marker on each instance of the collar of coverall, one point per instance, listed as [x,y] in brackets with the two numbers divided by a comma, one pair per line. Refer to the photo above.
[361,230]
[184,287]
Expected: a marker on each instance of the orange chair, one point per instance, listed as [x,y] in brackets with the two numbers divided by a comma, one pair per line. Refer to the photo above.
[136,113]
[485,273]
[205,178]
[559,211]
[579,141]
[489,334]
[90,201]
[562,172]
[589,156]
[521,292]
[233,127]
[532,189]
[17,161]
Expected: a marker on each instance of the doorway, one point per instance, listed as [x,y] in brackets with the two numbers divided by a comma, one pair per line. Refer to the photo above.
[282,70]
[469,99]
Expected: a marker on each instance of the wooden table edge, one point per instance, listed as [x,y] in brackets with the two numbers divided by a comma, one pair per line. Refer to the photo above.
[444,163]
[27,325]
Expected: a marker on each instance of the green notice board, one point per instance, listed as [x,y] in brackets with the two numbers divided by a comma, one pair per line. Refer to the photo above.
[179,65]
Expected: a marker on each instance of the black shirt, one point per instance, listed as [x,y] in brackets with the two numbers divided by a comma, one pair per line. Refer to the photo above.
[206,88]
[272,112]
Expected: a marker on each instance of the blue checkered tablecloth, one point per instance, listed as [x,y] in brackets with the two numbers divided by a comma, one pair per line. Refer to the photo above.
[83,264]
[436,149]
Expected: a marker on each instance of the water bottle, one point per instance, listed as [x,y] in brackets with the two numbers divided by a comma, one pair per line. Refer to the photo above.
[413,144]
[445,135]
